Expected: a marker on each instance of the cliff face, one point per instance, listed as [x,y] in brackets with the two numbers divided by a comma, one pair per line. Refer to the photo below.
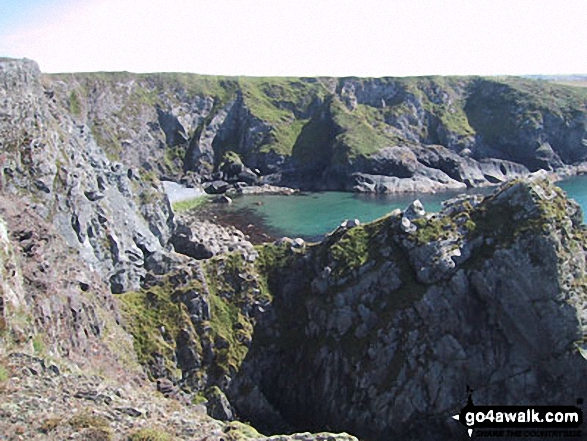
[377,330]
[76,227]
[372,135]
[115,216]
[380,329]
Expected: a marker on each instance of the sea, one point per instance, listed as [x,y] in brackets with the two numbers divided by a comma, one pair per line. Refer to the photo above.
[312,215]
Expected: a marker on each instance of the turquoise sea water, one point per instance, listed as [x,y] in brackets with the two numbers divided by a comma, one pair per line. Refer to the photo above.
[315,214]
[576,188]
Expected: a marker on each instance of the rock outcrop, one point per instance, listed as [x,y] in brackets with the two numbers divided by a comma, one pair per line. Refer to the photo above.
[379,330]
[115,216]
[372,135]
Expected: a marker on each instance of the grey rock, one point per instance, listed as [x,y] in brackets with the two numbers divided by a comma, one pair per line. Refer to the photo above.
[415,210]
[216,187]
[350,223]
[218,405]
[299,243]
[222,199]
[407,226]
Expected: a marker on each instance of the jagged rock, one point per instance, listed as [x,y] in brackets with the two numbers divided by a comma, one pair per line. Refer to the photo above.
[298,243]
[216,187]
[205,239]
[81,189]
[183,243]
[165,386]
[415,210]
[407,226]
[350,223]
[413,324]
[94,195]
[222,199]
[218,405]
[130,411]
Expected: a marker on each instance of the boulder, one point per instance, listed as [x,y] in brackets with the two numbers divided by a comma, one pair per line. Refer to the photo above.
[216,187]
[415,210]
[222,199]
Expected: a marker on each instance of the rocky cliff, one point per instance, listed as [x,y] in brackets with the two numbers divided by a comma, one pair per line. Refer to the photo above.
[76,227]
[371,135]
[115,216]
[378,330]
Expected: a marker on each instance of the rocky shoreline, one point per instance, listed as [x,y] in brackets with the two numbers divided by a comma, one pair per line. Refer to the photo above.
[131,317]
[253,227]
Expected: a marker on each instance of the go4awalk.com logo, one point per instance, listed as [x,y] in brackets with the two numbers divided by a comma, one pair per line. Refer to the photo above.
[522,421]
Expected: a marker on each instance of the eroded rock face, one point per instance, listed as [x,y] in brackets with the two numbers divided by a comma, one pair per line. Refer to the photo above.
[116,217]
[371,331]
[372,135]
[379,330]
[53,305]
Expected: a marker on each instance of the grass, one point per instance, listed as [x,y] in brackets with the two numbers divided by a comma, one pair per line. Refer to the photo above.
[95,428]
[3,373]
[50,424]
[281,102]
[229,325]
[154,319]
[357,136]
[150,434]
[85,420]
[351,251]
[233,284]
[189,204]
[107,138]
[237,431]
[74,104]
[39,345]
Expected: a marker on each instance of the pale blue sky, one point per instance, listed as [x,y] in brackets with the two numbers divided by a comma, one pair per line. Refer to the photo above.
[299,37]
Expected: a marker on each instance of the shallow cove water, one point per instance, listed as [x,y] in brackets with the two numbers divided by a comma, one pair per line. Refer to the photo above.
[576,188]
[312,215]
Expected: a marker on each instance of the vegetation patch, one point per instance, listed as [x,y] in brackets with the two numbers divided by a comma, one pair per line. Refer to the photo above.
[234,287]
[3,373]
[107,137]
[39,344]
[190,204]
[357,134]
[237,431]
[284,103]
[154,319]
[75,106]
[87,420]
[50,424]
[351,251]
[150,434]
[229,331]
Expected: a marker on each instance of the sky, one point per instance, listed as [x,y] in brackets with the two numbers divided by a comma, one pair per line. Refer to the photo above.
[370,38]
